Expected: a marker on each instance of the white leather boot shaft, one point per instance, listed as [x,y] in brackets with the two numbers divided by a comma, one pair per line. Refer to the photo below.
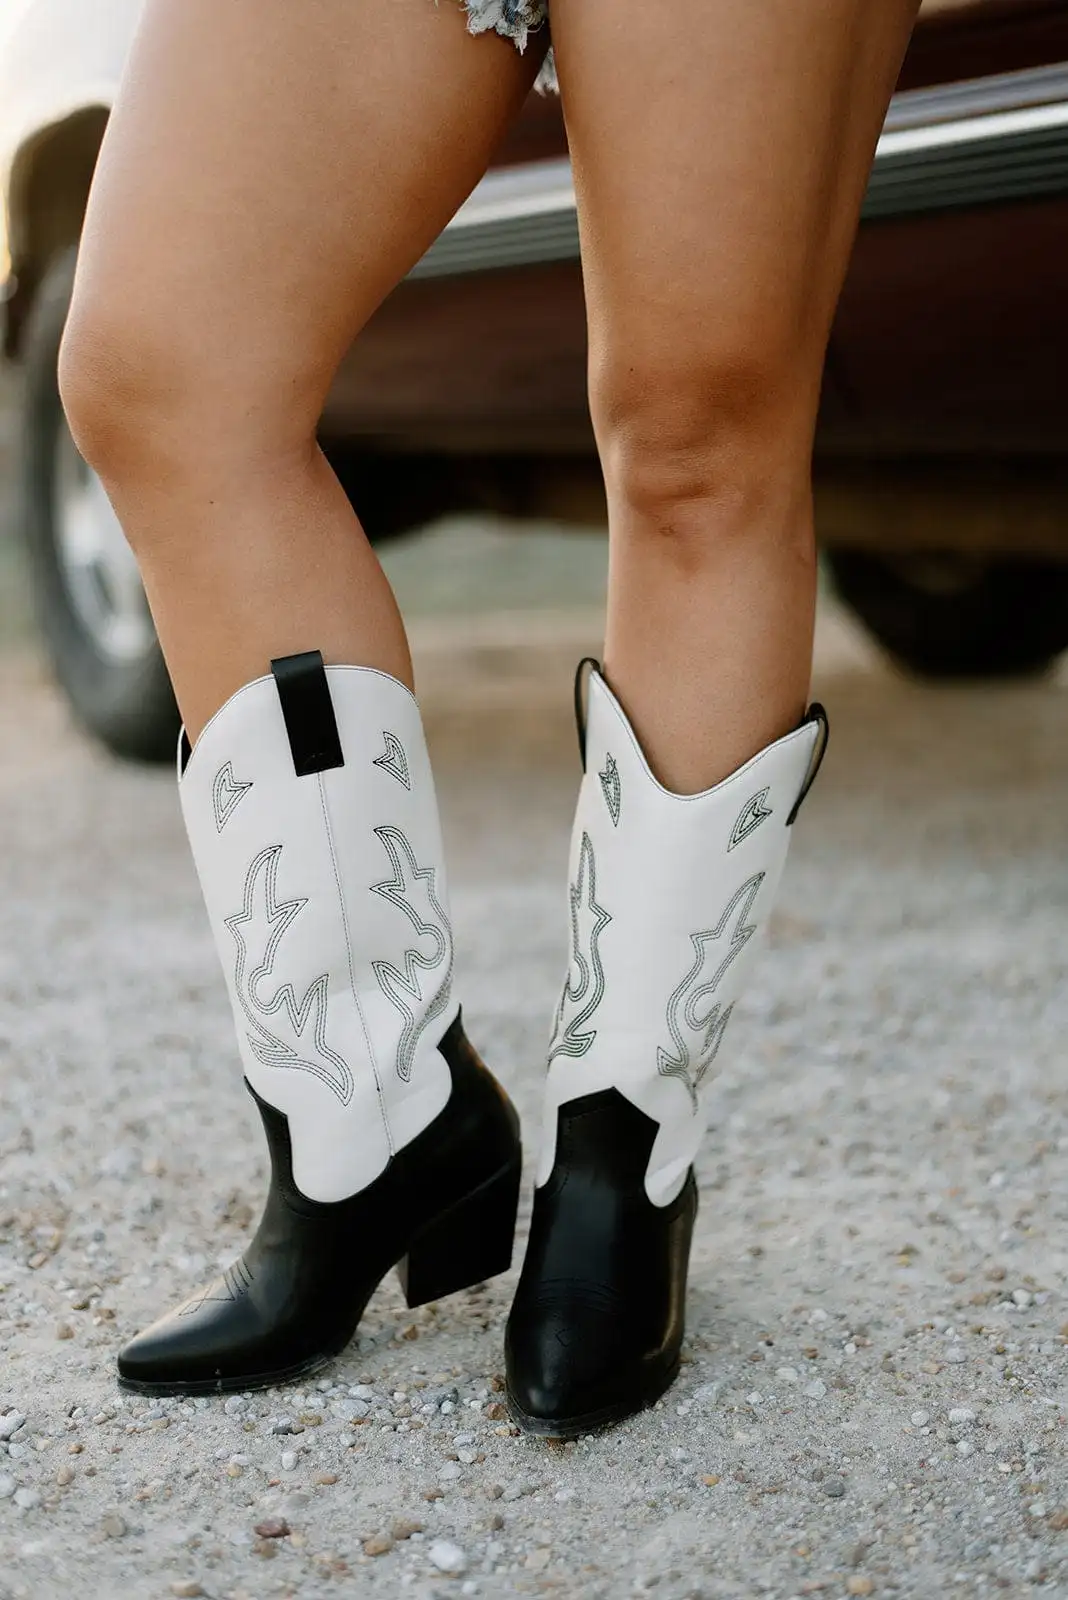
[670,898]
[329,905]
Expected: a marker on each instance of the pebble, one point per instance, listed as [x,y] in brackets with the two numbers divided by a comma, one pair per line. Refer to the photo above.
[362,1391]
[960,1414]
[27,1499]
[965,1447]
[186,1589]
[112,1526]
[447,1557]
[450,1472]
[272,1528]
[64,1476]
[955,1355]
[859,1584]
[289,1460]
[815,1390]
[64,1330]
[920,1419]
[235,1405]
[1021,1298]
[380,1545]
[11,1424]
[834,1488]
[7,1486]
[787,1374]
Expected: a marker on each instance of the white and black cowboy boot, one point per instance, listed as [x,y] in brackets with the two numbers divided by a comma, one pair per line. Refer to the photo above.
[310,807]
[670,895]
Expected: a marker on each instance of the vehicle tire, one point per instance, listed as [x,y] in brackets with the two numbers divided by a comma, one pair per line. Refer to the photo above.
[86,588]
[956,615]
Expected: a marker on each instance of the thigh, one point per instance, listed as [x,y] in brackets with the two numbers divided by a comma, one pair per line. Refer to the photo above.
[272,169]
[721,150]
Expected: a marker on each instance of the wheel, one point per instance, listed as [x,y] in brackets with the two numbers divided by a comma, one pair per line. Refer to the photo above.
[87,592]
[956,615]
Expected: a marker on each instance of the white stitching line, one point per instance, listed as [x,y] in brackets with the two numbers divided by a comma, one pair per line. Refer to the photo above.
[352,971]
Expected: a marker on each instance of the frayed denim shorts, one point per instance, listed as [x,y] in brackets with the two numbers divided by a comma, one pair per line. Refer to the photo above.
[515,20]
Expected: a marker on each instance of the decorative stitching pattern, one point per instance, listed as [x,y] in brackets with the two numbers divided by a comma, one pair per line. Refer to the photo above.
[404,988]
[587,993]
[752,814]
[613,788]
[393,760]
[235,1282]
[691,1060]
[258,930]
[226,795]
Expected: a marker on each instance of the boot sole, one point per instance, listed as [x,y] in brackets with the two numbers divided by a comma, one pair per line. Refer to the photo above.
[567,1428]
[448,1255]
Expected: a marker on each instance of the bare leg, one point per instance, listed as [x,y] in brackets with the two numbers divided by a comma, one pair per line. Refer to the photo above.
[716,227]
[270,172]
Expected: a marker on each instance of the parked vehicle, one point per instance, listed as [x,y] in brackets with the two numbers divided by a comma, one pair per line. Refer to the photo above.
[942,482]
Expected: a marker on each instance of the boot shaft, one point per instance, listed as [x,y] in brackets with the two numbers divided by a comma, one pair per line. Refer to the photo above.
[310,808]
[670,897]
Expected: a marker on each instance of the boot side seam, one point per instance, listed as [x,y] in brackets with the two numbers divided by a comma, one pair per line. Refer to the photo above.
[352,969]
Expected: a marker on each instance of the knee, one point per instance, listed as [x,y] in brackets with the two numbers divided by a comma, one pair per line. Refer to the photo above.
[157,407]
[707,446]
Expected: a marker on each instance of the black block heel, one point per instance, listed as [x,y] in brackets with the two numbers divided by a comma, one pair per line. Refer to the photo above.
[465,1245]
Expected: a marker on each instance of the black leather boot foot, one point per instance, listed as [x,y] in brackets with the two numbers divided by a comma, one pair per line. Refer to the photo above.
[443,1212]
[595,1332]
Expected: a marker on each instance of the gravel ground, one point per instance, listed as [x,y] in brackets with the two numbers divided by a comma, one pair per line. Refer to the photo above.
[875,1390]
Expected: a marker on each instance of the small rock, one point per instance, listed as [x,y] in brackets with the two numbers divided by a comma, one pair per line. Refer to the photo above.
[7,1486]
[964,1447]
[186,1589]
[1037,1508]
[447,1557]
[468,1457]
[11,1424]
[289,1460]
[815,1390]
[235,1405]
[538,1560]
[27,1499]
[362,1391]
[1021,1298]
[859,1584]
[64,1330]
[920,1419]
[834,1488]
[273,1528]
[284,1426]
[380,1545]
[113,1526]
[64,1476]
[450,1472]
[324,1479]
[961,1414]
[786,1374]
[955,1355]
[403,1529]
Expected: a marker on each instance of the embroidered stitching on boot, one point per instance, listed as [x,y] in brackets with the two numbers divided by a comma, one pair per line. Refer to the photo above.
[394,761]
[404,989]
[226,795]
[267,920]
[692,1058]
[588,992]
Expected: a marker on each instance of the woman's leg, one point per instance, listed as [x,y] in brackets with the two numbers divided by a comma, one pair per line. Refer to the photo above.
[269,173]
[720,153]
[716,229]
